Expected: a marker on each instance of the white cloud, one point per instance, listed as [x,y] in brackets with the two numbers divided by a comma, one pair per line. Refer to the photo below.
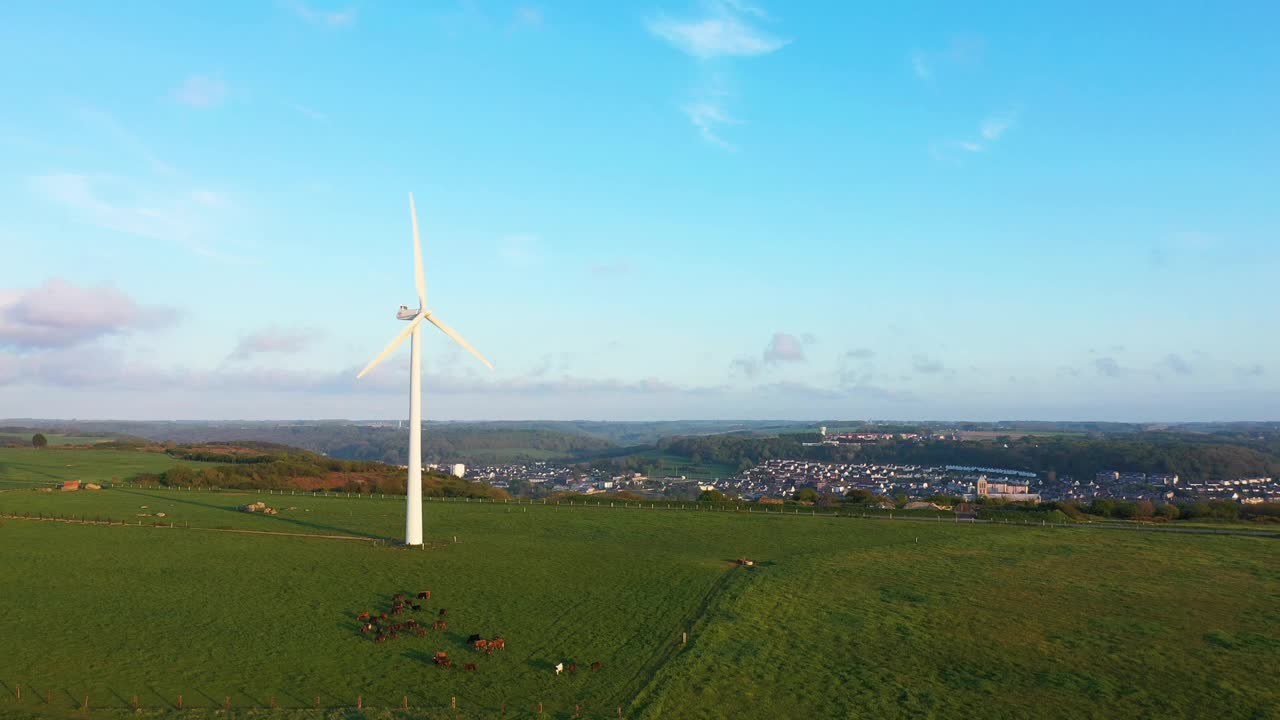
[722,32]
[274,340]
[327,18]
[990,130]
[58,314]
[167,215]
[202,91]
[960,51]
[708,116]
[995,125]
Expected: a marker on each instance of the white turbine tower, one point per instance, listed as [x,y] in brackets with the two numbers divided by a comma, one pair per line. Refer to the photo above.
[413,517]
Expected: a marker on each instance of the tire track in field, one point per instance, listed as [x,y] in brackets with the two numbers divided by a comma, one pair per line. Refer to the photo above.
[209,529]
[645,679]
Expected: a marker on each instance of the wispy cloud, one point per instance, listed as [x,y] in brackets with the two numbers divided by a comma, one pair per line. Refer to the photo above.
[926,365]
[961,50]
[326,18]
[116,204]
[990,130]
[1108,367]
[995,125]
[1176,363]
[723,31]
[309,112]
[708,115]
[202,91]
[59,314]
[274,340]
[784,348]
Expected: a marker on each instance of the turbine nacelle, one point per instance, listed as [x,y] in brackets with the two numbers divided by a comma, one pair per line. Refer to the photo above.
[406,313]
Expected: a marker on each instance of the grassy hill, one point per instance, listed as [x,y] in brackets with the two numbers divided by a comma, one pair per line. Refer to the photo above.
[840,618]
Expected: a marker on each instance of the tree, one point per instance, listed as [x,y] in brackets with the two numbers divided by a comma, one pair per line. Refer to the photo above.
[806,495]
[711,496]
[39,441]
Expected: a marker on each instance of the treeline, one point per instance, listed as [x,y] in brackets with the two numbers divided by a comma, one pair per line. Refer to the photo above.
[277,467]
[1191,457]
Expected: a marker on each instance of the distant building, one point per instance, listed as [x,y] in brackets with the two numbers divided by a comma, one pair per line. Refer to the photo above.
[459,470]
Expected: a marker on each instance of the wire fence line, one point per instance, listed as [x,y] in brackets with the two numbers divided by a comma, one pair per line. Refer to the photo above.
[711,507]
[40,698]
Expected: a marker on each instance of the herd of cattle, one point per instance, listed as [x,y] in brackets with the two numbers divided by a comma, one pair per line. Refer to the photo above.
[384,627]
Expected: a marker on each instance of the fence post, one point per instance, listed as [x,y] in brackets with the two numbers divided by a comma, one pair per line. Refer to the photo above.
[359,702]
[539,708]
[453,703]
[226,703]
[317,702]
[179,702]
[135,703]
[405,702]
[18,689]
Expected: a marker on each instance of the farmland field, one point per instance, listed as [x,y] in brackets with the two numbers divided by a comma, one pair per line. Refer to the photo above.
[29,467]
[841,618]
[54,439]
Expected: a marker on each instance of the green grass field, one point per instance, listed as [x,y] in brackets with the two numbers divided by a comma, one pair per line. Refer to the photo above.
[54,438]
[670,465]
[842,618]
[26,467]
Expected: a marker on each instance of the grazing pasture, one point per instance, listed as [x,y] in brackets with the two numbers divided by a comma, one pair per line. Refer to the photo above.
[53,439]
[839,617]
[27,467]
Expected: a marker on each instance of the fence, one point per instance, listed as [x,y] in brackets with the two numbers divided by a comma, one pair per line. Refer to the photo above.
[38,698]
[712,507]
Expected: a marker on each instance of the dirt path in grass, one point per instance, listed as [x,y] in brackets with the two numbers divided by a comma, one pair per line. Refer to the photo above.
[646,679]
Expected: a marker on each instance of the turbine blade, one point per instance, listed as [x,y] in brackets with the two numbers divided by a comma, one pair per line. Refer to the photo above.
[459,339]
[418,277]
[404,335]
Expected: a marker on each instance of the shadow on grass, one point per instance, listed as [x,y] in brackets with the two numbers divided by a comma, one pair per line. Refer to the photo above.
[327,529]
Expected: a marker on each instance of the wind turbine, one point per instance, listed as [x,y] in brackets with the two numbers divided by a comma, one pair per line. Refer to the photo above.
[413,516]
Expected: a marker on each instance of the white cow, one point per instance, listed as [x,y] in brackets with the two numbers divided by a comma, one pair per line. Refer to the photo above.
[559,668]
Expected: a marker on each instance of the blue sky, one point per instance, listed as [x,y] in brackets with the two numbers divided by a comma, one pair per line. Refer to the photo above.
[642,210]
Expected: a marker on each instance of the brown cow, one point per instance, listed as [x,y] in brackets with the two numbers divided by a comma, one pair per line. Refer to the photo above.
[367,627]
[440,625]
[398,596]
[363,616]
[572,667]
[424,595]
[596,665]
[422,632]
[480,644]
[446,663]
[381,638]
[499,643]
[469,666]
